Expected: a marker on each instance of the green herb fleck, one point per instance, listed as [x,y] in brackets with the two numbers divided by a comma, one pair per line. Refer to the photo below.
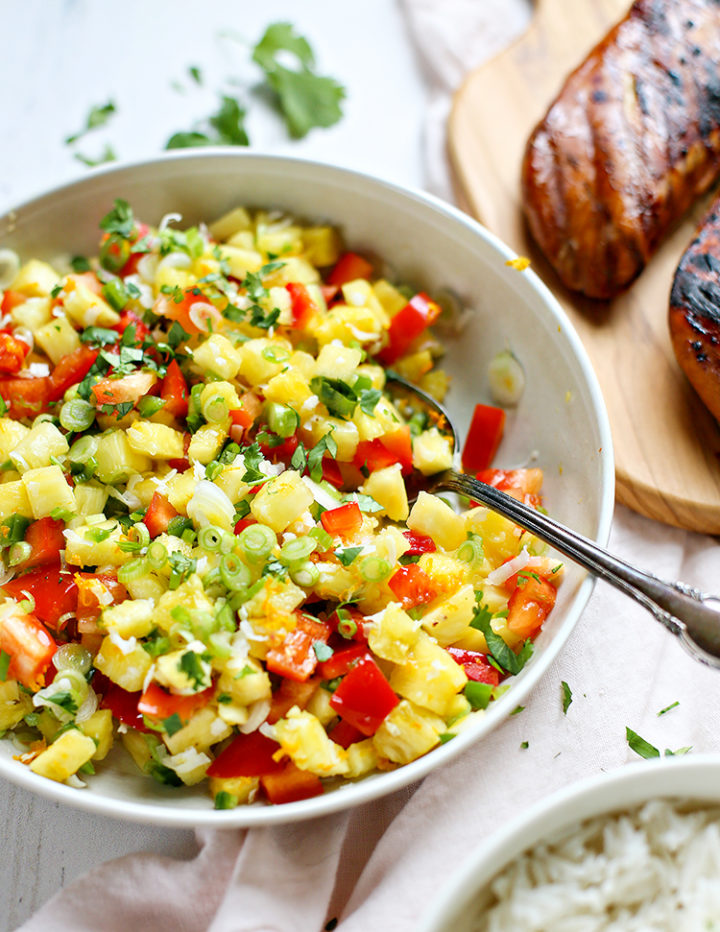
[567,697]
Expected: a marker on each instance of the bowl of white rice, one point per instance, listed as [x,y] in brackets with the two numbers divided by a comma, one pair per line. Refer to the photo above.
[637,850]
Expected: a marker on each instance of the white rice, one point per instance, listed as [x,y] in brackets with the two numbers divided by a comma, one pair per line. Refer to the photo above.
[656,868]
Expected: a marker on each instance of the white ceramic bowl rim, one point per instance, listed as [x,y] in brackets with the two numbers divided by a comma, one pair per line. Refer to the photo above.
[368,789]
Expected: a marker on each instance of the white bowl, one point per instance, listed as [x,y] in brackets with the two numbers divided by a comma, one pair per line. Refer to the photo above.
[561,416]
[692,780]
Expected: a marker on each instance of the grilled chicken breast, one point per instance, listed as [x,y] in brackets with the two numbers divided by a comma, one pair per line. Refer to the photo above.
[630,142]
[695,311]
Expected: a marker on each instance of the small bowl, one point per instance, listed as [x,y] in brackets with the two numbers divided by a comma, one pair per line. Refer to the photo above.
[693,780]
[562,415]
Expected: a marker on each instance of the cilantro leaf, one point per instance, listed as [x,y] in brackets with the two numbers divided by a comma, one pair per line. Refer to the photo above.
[258,317]
[326,444]
[337,396]
[498,650]
[253,457]
[102,336]
[567,697]
[281,37]
[190,140]
[366,503]
[641,747]
[191,664]
[119,220]
[97,116]
[196,74]
[226,127]
[369,399]
[108,154]
[172,724]
[346,555]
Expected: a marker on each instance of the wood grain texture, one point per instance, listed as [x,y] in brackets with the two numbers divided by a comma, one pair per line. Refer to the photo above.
[667,445]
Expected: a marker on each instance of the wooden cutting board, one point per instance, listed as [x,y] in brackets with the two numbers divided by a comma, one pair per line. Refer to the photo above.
[667,446]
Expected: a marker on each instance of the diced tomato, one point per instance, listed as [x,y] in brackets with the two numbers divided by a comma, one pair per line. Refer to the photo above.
[54,591]
[290,785]
[364,697]
[159,514]
[157,703]
[131,319]
[246,756]
[412,586]
[25,397]
[419,543]
[122,704]
[288,694]
[345,734]
[295,658]
[120,391]
[399,443]
[46,540]
[30,647]
[342,661]
[523,484]
[12,353]
[70,370]
[241,418]
[483,438]
[343,521]
[349,267]
[529,605]
[391,448]
[195,312]
[95,592]
[476,665]
[174,391]
[302,306]
[407,325]
[11,300]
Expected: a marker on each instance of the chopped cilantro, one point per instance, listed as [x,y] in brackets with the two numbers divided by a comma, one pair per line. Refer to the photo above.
[567,697]
[80,264]
[505,658]
[247,670]
[640,745]
[322,650]
[191,665]
[107,155]
[195,73]
[369,399]
[97,116]
[518,709]
[3,407]
[326,444]
[262,320]
[182,566]
[64,699]
[172,724]
[119,220]
[102,336]
[346,555]
[118,410]
[525,745]
[253,457]
[226,127]
[365,503]
[668,707]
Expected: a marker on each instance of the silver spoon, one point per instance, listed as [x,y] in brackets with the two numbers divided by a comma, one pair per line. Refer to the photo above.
[691,615]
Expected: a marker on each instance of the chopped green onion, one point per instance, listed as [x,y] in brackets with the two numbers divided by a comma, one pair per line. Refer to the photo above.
[276,353]
[178,525]
[324,540]
[114,252]
[470,551]
[478,694]
[83,450]
[149,405]
[72,657]
[210,538]
[234,574]
[347,626]
[138,538]
[305,574]
[215,409]
[19,552]
[135,569]
[257,541]
[224,800]
[27,605]
[297,550]
[116,294]
[157,555]
[374,569]
[77,414]
[281,419]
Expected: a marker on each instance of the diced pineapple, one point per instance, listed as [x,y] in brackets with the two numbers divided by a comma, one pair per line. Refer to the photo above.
[83,548]
[245,680]
[347,324]
[303,363]
[393,635]
[169,278]
[414,366]
[432,452]
[47,490]
[321,245]
[445,570]
[241,261]
[384,420]
[500,537]
[131,618]
[233,714]
[376,374]
[64,756]
[335,582]
[390,298]
[344,433]
[85,308]
[319,706]
[206,443]
[14,704]
[218,355]
[138,747]
[14,500]
[280,242]
[57,338]
[359,293]
[429,677]
[156,440]
[32,313]
[241,789]
[217,399]
[180,490]
[362,758]
[11,434]
[232,484]
[35,279]
[230,223]
[407,733]
[281,501]
[190,765]
[90,498]
[435,383]
[116,459]
[99,727]
[387,487]
[294,269]
[450,619]
[147,587]
[432,516]
[171,671]
[336,361]
[37,447]
[202,731]
[290,388]
[305,741]
[123,662]
[263,358]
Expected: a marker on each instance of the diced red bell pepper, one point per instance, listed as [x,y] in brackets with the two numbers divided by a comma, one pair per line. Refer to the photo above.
[283,452]
[349,267]
[290,785]
[290,693]
[419,543]
[46,540]
[529,605]
[30,647]
[122,704]
[342,661]
[54,591]
[25,397]
[243,523]
[524,484]
[364,697]
[331,472]
[202,310]
[159,514]
[407,325]
[412,586]
[95,592]
[11,300]
[355,617]
[70,370]
[295,658]
[12,353]
[131,319]
[483,438]
[246,756]
[391,448]
[345,734]
[302,306]
[476,666]
[159,704]
[343,521]
[174,391]
[128,388]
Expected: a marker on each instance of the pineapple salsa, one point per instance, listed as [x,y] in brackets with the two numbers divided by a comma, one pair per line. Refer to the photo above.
[208,554]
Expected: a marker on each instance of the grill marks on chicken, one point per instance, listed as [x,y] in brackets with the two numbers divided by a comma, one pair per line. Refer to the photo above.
[630,142]
[695,312]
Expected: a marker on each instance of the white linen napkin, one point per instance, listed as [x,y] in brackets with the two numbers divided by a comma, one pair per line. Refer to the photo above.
[382,865]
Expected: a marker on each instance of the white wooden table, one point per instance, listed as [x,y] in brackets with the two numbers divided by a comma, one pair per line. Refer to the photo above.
[60,57]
